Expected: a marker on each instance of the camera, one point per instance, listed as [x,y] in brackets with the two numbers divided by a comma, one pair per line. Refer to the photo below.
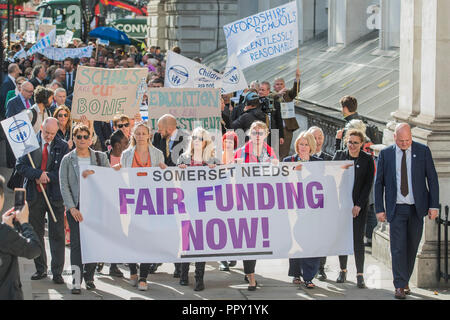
[267,104]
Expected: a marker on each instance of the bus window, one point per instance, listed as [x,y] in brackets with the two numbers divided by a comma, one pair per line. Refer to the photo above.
[60,15]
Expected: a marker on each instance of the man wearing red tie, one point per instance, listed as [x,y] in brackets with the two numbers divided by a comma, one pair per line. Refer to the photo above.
[47,160]
[406,190]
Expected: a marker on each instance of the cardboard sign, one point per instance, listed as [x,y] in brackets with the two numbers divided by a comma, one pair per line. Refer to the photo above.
[287,110]
[101,93]
[191,107]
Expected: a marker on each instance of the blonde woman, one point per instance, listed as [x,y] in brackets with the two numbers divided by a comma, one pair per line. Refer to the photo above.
[305,147]
[141,153]
[200,152]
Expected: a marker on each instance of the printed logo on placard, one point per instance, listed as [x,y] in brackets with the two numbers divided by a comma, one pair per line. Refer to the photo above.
[178,75]
[19,131]
[231,75]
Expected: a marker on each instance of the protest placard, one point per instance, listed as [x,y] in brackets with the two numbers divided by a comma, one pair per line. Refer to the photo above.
[68,36]
[182,72]
[287,110]
[263,36]
[101,93]
[20,134]
[233,212]
[59,54]
[30,36]
[191,107]
[45,42]
[45,29]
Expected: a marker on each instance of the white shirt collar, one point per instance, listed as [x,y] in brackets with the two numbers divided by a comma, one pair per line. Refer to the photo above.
[174,135]
[397,149]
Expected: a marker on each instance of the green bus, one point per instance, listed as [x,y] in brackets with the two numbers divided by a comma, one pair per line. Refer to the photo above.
[67,15]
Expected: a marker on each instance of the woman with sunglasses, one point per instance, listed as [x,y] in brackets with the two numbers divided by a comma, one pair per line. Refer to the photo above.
[62,113]
[200,152]
[254,151]
[305,147]
[69,174]
[141,153]
[364,175]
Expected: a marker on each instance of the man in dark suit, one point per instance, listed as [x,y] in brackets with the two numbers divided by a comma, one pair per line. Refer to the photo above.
[39,75]
[172,141]
[47,160]
[404,170]
[8,84]
[273,118]
[103,130]
[69,82]
[22,101]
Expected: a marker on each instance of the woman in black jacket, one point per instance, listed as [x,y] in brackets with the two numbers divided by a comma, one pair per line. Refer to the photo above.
[305,147]
[364,175]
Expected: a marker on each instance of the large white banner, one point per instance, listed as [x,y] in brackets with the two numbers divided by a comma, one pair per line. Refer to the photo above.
[233,212]
[263,36]
[182,72]
[59,54]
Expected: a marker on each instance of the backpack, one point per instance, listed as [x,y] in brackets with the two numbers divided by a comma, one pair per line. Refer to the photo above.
[375,135]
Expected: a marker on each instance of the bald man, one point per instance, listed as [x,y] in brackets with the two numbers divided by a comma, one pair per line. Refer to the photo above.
[172,141]
[47,160]
[407,182]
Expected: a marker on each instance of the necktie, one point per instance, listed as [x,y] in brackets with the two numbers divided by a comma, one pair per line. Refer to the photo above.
[167,147]
[69,80]
[28,104]
[43,164]
[404,176]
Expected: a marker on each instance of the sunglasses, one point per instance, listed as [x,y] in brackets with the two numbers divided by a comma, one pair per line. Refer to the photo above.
[354,142]
[126,125]
[197,138]
[85,137]
[65,115]
[258,133]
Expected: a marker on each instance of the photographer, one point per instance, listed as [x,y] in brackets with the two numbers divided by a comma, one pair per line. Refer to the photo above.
[12,245]
[272,110]
[252,112]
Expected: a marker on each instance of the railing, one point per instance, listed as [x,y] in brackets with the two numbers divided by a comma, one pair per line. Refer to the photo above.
[445,223]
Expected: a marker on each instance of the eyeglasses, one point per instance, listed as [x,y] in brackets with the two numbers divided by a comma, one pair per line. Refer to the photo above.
[258,133]
[354,143]
[126,125]
[65,115]
[85,137]
[197,138]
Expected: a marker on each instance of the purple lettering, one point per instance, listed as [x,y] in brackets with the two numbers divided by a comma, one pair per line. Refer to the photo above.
[297,195]
[237,235]
[144,196]
[160,200]
[262,205]
[222,228]
[202,197]
[280,196]
[188,233]
[123,200]
[249,197]
[219,198]
[173,201]
[310,195]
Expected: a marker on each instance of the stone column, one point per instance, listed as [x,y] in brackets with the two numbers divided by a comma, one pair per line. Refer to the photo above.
[410,60]
[433,123]
[156,20]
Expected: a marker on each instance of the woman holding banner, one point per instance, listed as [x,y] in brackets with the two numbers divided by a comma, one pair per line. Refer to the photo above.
[141,153]
[364,175]
[305,147]
[200,152]
[229,145]
[254,151]
[69,174]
